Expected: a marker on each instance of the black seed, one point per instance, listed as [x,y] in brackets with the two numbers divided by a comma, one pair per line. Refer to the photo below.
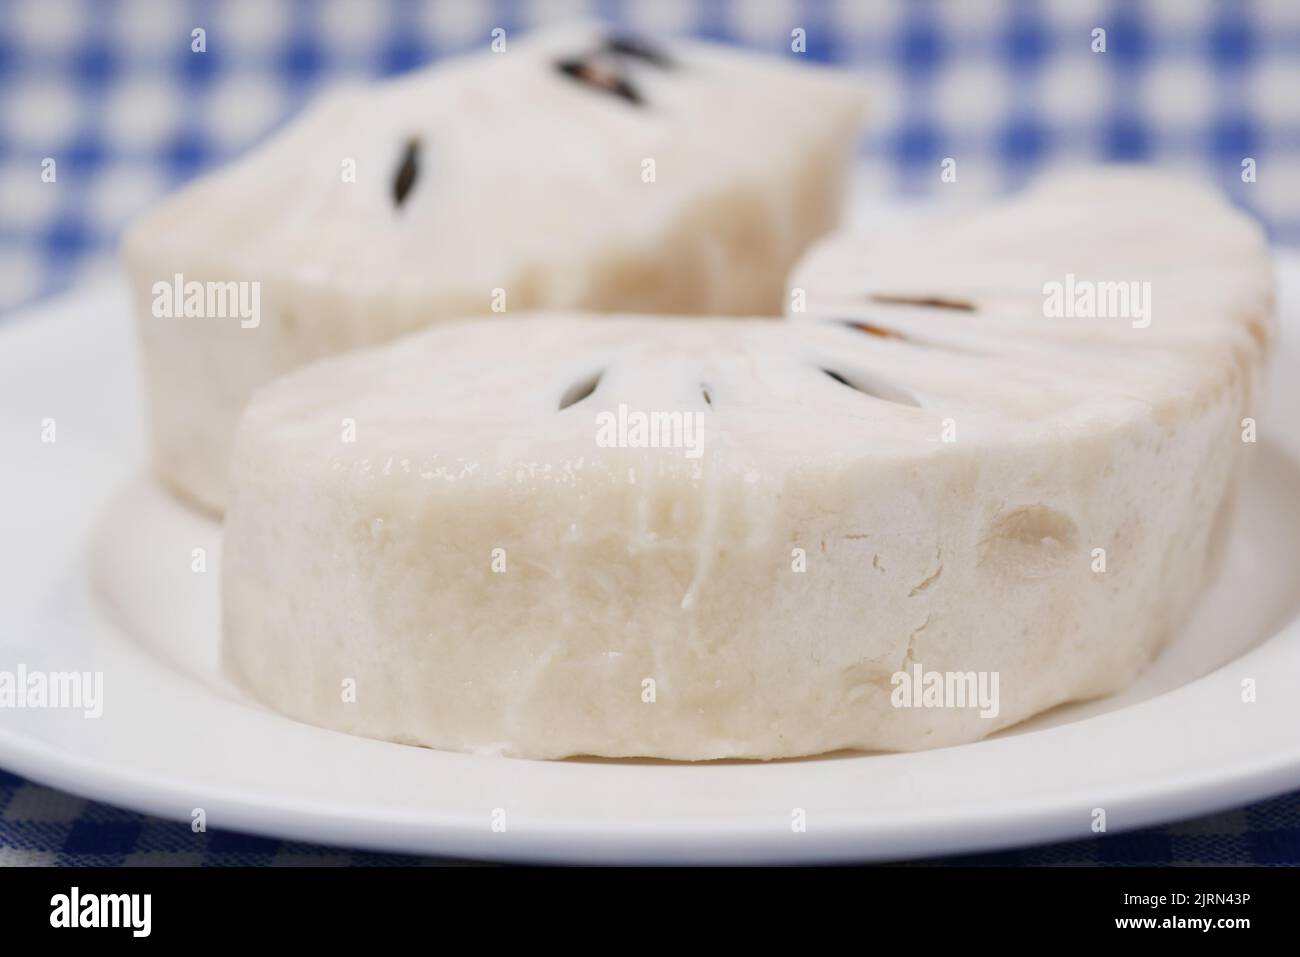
[934,302]
[873,330]
[600,76]
[406,172]
[639,50]
[884,332]
[579,391]
[878,389]
[708,399]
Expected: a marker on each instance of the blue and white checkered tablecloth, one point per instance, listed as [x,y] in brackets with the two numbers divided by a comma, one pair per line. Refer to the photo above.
[112,91]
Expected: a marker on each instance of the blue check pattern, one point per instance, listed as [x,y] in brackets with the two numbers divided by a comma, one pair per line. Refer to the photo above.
[114,94]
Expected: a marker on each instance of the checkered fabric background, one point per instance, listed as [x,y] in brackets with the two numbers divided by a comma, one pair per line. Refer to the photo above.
[111,90]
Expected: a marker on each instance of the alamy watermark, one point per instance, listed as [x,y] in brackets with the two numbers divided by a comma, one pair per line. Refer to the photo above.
[919,688]
[231,299]
[133,912]
[69,690]
[1086,299]
[633,429]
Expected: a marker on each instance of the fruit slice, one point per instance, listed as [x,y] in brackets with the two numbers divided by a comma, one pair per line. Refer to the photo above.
[575,169]
[1056,268]
[701,539]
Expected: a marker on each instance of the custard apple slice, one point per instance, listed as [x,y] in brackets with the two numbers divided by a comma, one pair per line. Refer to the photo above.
[697,539]
[576,169]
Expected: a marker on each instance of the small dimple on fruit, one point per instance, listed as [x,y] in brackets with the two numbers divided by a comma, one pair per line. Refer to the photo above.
[1033,541]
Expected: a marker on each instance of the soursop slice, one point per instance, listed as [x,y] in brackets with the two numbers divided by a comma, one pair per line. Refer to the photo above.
[468,529]
[1023,269]
[577,169]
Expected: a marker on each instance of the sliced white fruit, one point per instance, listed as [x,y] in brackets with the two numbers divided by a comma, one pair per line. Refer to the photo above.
[1023,270]
[460,540]
[576,169]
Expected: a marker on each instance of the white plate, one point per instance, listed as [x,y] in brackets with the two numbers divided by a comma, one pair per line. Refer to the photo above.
[174,736]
